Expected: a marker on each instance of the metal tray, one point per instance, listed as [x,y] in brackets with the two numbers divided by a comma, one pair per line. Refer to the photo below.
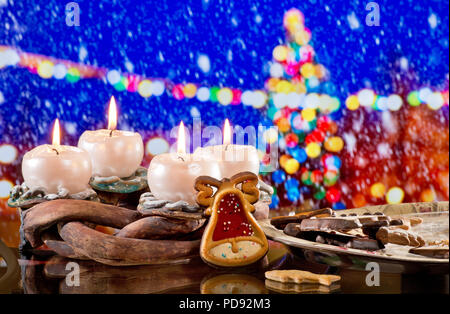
[435,226]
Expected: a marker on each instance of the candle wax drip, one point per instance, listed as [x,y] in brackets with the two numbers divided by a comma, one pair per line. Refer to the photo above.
[231,219]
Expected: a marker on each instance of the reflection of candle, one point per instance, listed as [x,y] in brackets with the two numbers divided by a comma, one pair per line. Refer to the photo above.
[113,152]
[171,176]
[232,158]
[56,166]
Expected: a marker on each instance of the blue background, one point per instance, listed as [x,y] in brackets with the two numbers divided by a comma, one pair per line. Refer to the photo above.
[165,38]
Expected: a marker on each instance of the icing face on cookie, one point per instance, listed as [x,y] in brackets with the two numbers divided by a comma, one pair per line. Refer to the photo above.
[232,236]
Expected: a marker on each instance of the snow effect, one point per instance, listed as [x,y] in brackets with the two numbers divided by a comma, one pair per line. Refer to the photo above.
[218,44]
[203,63]
[353,21]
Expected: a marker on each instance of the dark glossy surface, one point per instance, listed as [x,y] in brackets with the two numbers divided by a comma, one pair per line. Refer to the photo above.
[47,274]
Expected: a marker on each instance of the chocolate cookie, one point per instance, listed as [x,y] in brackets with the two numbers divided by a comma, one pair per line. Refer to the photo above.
[399,236]
[330,223]
[280,222]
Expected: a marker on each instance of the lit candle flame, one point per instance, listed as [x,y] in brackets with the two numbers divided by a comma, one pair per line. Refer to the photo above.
[112,114]
[56,133]
[181,143]
[227,133]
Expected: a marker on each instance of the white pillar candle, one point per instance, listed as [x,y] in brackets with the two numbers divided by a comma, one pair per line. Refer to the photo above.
[231,158]
[172,176]
[113,152]
[53,167]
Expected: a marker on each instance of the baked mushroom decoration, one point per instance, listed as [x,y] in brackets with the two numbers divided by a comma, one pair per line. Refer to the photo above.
[232,237]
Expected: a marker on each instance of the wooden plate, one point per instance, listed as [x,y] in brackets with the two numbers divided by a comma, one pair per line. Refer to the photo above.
[435,226]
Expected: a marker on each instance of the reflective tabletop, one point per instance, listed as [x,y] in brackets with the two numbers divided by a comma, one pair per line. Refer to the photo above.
[45,273]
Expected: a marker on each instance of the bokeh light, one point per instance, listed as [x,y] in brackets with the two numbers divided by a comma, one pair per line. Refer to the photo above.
[156,146]
[8,153]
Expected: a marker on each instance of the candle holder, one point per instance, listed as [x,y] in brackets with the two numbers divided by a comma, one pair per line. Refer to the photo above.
[265,198]
[24,198]
[150,205]
[124,191]
[69,228]
[153,232]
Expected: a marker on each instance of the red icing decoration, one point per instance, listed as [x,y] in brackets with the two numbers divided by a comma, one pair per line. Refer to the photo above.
[231,219]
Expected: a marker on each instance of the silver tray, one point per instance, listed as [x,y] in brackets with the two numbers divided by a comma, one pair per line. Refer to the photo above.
[435,226]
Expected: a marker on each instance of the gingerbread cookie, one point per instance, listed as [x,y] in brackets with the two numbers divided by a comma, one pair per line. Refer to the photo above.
[414,221]
[300,276]
[436,251]
[232,237]
[400,237]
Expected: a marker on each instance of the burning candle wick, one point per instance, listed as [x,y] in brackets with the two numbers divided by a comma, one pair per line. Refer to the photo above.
[57,153]
[182,159]
[110,133]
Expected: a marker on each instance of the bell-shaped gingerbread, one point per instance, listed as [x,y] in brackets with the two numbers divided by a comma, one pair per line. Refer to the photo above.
[232,237]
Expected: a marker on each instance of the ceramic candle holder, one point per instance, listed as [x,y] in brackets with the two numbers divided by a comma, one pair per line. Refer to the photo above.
[149,204]
[124,191]
[24,198]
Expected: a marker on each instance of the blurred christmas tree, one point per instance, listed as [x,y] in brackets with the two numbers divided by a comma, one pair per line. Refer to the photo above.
[302,109]
[393,153]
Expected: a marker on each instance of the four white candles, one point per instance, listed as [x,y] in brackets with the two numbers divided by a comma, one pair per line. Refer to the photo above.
[231,158]
[172,176]
[119,153]
[53,167]
[113,152]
